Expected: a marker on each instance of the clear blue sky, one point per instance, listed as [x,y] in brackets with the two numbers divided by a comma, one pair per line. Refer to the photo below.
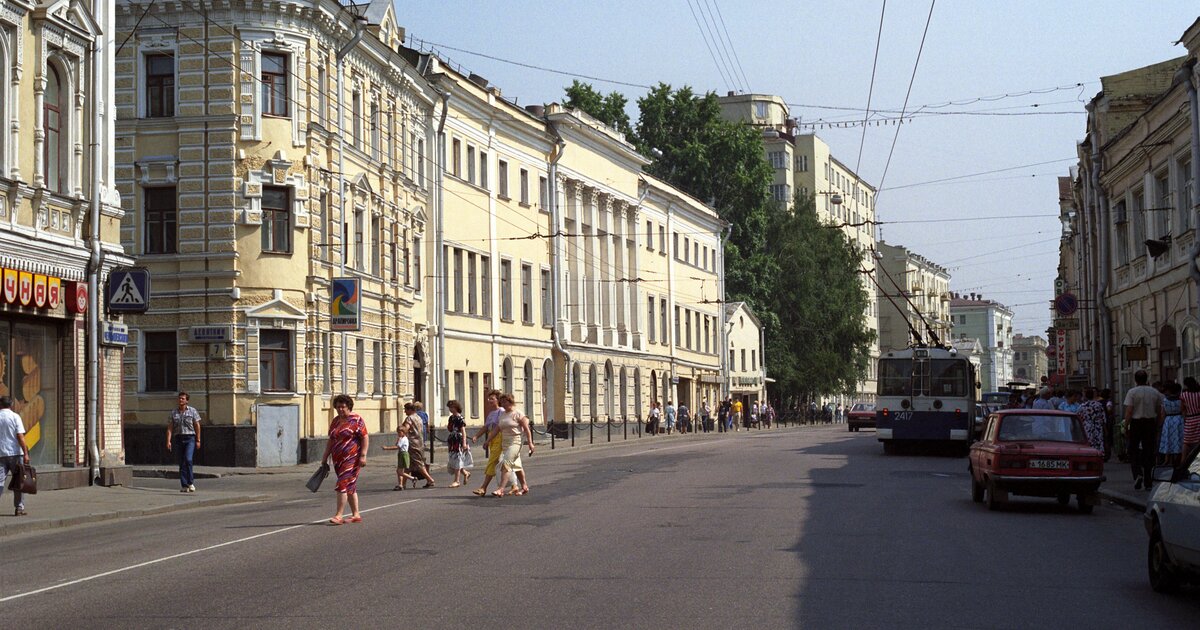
[820,54]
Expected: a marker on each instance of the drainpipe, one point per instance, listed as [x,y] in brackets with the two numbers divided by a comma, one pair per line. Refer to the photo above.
[360,23]
[724,354]
[560,147]
[1101,205]
[438,260]
[1188,74]
[95,264]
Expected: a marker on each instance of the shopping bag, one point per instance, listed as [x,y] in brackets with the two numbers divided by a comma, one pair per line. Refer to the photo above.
[27,478]
[314,482]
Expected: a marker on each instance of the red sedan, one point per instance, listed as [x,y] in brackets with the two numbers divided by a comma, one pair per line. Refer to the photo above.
[861,415]
[1035,453]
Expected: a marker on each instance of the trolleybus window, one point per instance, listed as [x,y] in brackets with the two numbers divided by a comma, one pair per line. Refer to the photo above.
[896,377]
[934,377]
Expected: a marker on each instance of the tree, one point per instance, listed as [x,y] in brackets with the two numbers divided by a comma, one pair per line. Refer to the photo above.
[821,345]
[719,162]
[608,109]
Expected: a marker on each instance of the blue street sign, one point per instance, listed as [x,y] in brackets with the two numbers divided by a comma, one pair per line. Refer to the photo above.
[128,290]
[1066,304]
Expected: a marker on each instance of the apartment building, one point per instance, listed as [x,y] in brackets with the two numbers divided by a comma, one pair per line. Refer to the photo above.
[803,163]
[990,322]
[1029,358]
[276,181]
[914,293]
[59,240]
[747,374]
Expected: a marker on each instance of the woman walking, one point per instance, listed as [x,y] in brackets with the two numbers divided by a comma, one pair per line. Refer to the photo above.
[456,444]
[513,428]
[416,445]
[1191,414]
[1094,418]
[1170,438]
[348,440]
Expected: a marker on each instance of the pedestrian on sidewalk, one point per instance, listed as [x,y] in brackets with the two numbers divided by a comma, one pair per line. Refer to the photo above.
[513,430]
[1170,441]
[705,416]
[670,417]
[737,415]
[13,451]
[653,418]
[491,415]
[416,445]
[403,463]
[1091,411]
[1143,415]
[347,445]
[184,427]
[1191,414]
[684,418]
[456,444]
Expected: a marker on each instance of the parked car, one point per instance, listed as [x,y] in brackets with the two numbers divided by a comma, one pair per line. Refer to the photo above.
[1173,523]
[982,412]
[861,415]
[1035,453]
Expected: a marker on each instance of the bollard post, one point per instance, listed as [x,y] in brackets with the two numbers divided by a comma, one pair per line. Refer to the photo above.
[625,427]
[608,428]
[591,430]
[550,428]
[574,424]
[431,444]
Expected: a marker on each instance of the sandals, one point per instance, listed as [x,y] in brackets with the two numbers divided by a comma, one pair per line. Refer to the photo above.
[398,487]
[337,520]
[455,484]
[498,494]
[354,519]
[479,492]
[429,485]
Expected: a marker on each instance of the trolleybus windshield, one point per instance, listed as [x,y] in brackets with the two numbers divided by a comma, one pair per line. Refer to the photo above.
[929,377]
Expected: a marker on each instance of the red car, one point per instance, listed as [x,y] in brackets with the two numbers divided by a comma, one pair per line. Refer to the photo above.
[1035,453]
[861,415]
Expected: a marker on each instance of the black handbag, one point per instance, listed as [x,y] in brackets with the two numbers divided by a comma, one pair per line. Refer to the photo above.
[314,482]
[27,478]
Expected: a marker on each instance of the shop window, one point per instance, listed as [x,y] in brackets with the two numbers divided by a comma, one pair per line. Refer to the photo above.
[160,86]
[276,221]
[161,221]
[274,84]
[29,373]
[160,355]
[275,360]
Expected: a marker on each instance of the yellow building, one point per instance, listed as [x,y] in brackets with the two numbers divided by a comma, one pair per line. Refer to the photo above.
[919,299]
[263,154]
[59,239]
[743,340]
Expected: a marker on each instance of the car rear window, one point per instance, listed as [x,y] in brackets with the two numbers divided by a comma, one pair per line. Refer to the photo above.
[1045,428]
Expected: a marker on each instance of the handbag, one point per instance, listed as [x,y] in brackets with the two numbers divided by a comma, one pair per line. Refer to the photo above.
[314,482]
[27,478]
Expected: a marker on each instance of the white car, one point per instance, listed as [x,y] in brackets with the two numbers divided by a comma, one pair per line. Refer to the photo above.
[1173,522]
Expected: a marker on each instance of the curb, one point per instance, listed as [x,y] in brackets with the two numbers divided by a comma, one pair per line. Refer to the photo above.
[97,517]
[157,473]
[1124,500]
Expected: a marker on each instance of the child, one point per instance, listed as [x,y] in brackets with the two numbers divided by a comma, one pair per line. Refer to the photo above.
[402,461]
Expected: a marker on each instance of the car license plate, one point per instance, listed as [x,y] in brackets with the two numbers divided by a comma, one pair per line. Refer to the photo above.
[1052,464]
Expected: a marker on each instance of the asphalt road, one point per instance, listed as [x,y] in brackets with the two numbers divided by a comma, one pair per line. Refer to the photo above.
[812,528]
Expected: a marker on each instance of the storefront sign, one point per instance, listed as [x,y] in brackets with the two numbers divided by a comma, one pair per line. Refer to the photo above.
[31,289]
[10,286]
[1061,351]
[1066,323]
[53,292]
[77,297]
[114,334]
[345,296]
[211,334]
[24,288]
[39,290]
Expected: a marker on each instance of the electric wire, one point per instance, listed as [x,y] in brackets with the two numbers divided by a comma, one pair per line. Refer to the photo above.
[712,54]
[871,88]
[907,94]
[737,58]
[715,33]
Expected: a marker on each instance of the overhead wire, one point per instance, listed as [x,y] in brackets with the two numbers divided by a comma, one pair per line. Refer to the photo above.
[907,94]
[871,88]
[716,62]
[710,21]
[736,57]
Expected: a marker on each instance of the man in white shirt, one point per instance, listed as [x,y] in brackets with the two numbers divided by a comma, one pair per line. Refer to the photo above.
[1143,416]
[13,451]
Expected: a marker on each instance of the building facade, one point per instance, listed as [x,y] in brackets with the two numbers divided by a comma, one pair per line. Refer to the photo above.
[276,181]
[913,293]
[747,373]
[1134,231]
[990,323]
[60,220]
[1029,359]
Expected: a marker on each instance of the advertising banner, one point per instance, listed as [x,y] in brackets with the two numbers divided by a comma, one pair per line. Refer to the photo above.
[345,302]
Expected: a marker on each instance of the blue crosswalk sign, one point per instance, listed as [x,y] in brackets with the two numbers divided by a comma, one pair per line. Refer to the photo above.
[128,290]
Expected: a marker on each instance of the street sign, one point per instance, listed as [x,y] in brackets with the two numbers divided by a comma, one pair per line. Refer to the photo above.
[1066,304]
[1059,285]
[1066,323]
[114,334]
[128,290]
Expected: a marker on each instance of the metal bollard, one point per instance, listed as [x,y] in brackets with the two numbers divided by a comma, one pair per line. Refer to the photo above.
[551,431]
[608,428]
[574,425]
[624,427]
[591,430]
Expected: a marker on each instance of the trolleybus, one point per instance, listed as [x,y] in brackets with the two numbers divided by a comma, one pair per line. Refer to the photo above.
[926,394]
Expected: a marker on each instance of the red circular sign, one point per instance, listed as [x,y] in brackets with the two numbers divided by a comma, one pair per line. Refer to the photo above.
[81,298]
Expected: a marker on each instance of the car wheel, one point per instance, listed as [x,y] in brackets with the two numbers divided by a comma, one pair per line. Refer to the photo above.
[1064,498]
[1085,503]
[1158,564]
[993,501]
[977,490]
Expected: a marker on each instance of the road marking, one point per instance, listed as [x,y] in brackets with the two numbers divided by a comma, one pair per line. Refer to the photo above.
[187,553]
[658,450]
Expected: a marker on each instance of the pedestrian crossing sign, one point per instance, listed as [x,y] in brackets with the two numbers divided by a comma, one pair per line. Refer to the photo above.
[128,290]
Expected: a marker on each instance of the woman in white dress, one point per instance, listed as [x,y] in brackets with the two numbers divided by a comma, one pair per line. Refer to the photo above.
[513,428]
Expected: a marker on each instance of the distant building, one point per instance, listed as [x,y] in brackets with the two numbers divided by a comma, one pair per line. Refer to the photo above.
[921,293]
[970,348]
[1029,358]
[743,334]
[991,323]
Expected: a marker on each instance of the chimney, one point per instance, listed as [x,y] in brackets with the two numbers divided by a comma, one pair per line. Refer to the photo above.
[790,124]
[478,80]
[729,93]
[536,110]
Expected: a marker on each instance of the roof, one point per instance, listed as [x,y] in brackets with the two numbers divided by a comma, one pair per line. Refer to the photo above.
[732,307]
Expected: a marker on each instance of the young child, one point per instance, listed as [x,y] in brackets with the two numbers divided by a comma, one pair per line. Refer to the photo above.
[402,461]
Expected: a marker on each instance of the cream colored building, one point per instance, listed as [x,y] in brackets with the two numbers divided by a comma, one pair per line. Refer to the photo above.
[803,164]
[919,298]
[59,238]
[263,151]
[743,340]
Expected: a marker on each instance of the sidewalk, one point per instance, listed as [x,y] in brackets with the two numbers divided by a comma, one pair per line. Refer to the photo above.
[1119,485]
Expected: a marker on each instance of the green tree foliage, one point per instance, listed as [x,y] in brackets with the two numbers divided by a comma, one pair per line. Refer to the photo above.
[821,345]
[719,162]
[607,108]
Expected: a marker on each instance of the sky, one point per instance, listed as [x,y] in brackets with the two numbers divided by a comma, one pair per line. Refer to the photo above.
[1024,68]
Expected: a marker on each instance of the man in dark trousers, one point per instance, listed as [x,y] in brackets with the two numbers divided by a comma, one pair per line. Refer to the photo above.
[1143,416]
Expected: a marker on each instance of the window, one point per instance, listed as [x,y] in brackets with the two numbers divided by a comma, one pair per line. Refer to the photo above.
[485,286]
[662,320]
[649,236]
[707,336]
[322,105]
[458,280]
[802,163]
[392,143]
[377,367]
[1162,205]
[1138,218]
[474,394]
[544,193]
[159,353]
[470,164]
[160,86]
[1185,194]
[678,328]
[547,305]
[506,290]
[160,221]
[778,159]
[753,359]
[662,240]
[483,170]
[359,243]
[376,248]
[277,221]
[760,109]
[687,337]
[53,122]
[526,294]
[356,113]
[274,360]
[779,192]
[675,244]
[421,163]
[687,248]
[650,320]
[502,177]
[375,130]
[416,254]
[524,187]
[459,391]
[472,284]
[275,85]
[456,158]
[743,359]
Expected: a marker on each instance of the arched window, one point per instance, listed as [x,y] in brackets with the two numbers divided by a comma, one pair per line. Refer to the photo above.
[548,393]
[577,387]
[594,395]
[529,405]
[506,376]
[55,128]
[608,389]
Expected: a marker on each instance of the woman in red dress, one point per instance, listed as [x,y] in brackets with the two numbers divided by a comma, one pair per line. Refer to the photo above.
[347,444]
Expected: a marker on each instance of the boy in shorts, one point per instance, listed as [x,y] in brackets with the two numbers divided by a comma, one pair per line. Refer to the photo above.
[402,461]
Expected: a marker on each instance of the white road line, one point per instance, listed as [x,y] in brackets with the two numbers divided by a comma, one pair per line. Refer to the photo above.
[186,553]
[658,450]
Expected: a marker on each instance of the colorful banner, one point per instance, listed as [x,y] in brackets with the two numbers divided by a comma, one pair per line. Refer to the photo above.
[345,296]
[10,286]
[25,288]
